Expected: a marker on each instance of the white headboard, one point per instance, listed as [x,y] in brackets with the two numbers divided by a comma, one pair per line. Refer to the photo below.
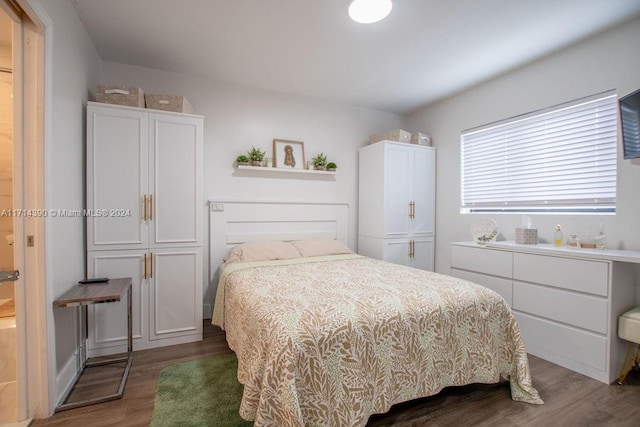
[235,222]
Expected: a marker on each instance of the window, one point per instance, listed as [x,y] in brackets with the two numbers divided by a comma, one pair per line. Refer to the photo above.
[561,159]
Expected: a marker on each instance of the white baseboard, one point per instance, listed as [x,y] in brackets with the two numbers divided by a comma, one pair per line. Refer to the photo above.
[64,379]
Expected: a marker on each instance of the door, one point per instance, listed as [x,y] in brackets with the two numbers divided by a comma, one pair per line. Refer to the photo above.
[398,190]
[410,191]
[117,178]
[21,113]
[11,225]
[397,251]
[424,190]
[175,292]
[175,162]
[423,254]
[416,253]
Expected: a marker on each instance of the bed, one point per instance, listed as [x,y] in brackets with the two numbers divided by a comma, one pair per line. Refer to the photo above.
[327,337]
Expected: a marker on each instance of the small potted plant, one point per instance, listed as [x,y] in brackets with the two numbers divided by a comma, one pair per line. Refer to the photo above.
[242,160]
[331,166]
[256,156]
[320,162]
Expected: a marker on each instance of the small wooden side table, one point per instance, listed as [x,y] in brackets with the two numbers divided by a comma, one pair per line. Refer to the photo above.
[81,296]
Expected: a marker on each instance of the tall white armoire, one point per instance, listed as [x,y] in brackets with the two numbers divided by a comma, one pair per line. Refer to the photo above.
[144,221]
[396,211]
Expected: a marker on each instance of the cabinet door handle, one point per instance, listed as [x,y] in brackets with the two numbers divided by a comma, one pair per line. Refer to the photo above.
[412,209]
[144,207]
[150,207]
[144,269]
[151,264]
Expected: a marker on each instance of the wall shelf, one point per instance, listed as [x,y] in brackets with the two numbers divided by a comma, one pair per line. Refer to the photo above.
[284,173]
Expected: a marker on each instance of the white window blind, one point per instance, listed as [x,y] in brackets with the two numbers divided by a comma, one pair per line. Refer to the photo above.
[561,159]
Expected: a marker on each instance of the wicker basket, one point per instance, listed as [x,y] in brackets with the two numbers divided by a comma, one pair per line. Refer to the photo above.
[398,135]
[421,139]
[120,95]
[175,103]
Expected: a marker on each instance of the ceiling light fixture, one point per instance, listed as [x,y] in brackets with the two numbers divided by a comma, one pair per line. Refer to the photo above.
[369,11]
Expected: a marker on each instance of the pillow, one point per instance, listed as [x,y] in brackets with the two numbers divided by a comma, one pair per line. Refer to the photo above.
[320,247]
[261,251]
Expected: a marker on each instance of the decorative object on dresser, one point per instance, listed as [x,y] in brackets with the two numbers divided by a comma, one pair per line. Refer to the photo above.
[527,235]
[397,203]
[557,236]
[484,231]
[567,301]
[144,178]
[288,154]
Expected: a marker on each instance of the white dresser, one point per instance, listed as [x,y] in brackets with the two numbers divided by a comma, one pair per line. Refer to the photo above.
[567,301]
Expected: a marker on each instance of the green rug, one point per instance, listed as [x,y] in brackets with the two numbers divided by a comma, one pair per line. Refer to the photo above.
[199,393]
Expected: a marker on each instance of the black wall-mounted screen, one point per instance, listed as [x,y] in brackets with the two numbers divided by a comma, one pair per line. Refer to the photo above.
[630,122]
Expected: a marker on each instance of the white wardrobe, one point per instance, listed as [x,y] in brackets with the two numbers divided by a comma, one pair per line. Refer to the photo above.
[144,220]
[396,209]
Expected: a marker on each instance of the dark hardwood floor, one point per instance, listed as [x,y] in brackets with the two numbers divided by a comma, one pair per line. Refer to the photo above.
[570,399]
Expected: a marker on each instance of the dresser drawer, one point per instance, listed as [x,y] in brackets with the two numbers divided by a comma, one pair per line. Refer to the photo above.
[497,284]
[482,260]
[584,311]
[574,274]
[569,347]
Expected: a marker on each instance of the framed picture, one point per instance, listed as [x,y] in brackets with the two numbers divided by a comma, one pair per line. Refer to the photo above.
[288,154]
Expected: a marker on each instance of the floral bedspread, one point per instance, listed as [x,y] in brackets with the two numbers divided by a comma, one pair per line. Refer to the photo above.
[328,341]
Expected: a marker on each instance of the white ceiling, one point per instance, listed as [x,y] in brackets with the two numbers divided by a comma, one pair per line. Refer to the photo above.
[424,51]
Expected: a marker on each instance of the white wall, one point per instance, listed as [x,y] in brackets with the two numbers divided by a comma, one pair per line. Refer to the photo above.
[237,118]
[74,67]
[608,61]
